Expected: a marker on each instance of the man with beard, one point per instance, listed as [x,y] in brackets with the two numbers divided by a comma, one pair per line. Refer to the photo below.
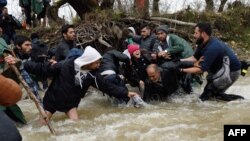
[67,43]
[211,51]
[170,44]
[146,40]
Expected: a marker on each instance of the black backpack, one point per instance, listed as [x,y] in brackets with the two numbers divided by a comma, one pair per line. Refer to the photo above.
[39,51]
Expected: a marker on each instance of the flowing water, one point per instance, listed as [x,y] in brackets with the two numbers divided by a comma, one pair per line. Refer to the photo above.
[183,118]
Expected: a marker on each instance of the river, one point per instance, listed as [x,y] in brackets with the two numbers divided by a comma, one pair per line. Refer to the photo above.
[183,118]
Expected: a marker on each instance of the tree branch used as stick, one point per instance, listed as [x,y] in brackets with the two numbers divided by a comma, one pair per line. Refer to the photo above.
[32,97]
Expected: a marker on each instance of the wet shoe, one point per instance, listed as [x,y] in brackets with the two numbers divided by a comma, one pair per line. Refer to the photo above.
[205,96]
[228,97]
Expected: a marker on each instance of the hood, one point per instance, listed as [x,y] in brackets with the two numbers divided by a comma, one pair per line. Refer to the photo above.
[89,56]
[132,29]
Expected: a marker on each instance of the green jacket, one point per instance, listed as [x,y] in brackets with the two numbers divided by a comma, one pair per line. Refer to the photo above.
[3,47]
[36,5]
[174,45]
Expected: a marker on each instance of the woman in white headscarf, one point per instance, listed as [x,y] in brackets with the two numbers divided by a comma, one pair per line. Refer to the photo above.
[71,80]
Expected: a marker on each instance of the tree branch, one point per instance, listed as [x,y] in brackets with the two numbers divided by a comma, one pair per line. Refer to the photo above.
[172,21]
[100,39]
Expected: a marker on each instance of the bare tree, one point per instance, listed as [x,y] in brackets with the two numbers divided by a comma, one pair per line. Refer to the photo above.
[142,8]
[53,10]
[222,5]
[80,6]
[119,5]
[156,7]
[209,5]
[107,4]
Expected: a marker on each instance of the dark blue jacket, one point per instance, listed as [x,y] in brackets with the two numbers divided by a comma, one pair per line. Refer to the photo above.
[213,52]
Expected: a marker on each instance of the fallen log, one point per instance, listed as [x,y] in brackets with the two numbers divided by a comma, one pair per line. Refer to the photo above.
[161,19]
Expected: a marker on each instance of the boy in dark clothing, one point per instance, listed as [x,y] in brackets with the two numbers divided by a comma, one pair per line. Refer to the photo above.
[110,66]
[72,78]
[39,53]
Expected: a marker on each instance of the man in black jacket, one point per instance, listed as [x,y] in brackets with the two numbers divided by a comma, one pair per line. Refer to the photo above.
[160,84]
[110,66]
[8,23]
[71,80]
[67,42]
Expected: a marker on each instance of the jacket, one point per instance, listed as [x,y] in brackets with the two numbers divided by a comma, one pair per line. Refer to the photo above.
[163,89]
[111,59]
[213,52]
[9,24]
[63,94]
[176,46]
[147,43]
[36,6]
[137,71]
[39,51]
[62,49]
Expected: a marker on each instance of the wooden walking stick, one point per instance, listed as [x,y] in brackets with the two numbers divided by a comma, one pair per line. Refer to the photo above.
[32,97]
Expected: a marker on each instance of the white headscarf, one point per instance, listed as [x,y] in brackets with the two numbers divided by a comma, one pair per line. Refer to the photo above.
[89,56]
[132,29]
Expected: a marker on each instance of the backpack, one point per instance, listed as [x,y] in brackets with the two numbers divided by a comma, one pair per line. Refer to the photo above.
[39,51]
[221,79]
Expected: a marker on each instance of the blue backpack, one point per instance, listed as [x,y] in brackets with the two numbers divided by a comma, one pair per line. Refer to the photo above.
[3,3]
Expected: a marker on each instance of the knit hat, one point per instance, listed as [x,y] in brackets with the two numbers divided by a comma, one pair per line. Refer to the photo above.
[132,48]
[132,29]
[89,56]
[163,28]
[10,91]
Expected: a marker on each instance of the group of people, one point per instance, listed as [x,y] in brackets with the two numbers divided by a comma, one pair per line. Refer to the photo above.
[32,7]
[158,63]
[9,23]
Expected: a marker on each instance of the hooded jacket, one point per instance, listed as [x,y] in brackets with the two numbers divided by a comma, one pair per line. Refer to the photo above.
[65,91]
[111,61]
